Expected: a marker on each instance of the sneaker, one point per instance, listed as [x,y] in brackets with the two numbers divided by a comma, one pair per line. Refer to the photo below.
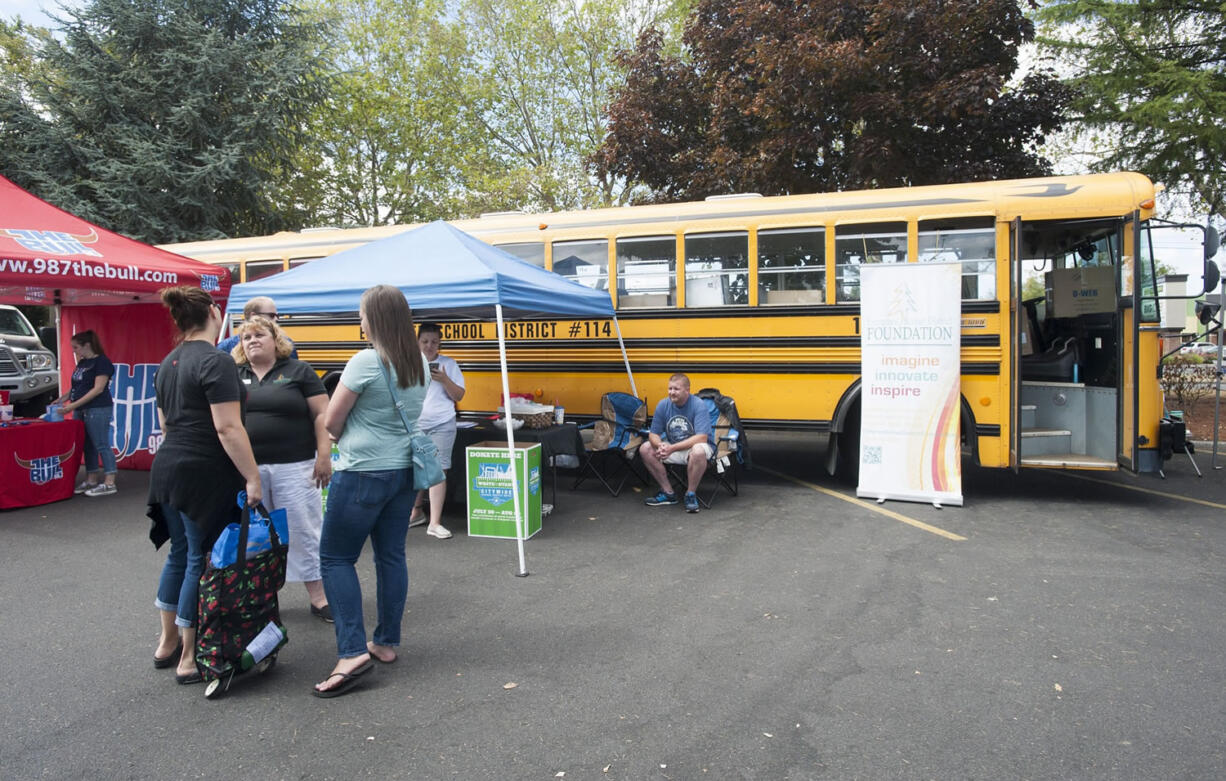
[691,502]
[84,486]
[101,489]
[661,499]
[420,520]
[439,531]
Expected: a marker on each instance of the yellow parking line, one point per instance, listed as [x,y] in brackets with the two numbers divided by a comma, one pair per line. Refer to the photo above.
[868,506]
[1177,497]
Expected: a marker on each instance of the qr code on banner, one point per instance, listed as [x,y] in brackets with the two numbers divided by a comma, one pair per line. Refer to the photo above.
[871,455]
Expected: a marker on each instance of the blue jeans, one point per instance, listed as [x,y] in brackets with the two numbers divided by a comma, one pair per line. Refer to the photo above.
[361,505]
[98,439]
[179,586]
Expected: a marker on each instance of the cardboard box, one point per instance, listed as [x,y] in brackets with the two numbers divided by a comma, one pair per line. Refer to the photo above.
[1080,291]
[488,477]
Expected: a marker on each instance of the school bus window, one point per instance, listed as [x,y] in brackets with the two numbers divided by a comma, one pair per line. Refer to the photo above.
[855,245]
[792,266]
[295,262]
[258,269]
[585,262]
[646,272]
[233,268]
[969,241]
[717,269]
[529,251]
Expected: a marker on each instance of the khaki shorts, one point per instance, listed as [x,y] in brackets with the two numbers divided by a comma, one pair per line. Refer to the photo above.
[683,456]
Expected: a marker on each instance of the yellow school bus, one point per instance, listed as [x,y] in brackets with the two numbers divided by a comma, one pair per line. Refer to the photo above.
[759,297]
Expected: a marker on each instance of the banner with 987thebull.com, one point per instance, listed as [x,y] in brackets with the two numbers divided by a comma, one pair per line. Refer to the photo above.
[910,369]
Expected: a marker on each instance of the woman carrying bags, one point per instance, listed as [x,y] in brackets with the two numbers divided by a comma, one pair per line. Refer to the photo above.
[372,487]
[201,465]
[285,421]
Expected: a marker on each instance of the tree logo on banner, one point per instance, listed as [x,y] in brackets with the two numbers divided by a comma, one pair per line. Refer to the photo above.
[902,303]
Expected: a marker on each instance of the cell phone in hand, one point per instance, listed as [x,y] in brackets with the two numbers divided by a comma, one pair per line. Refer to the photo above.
[433,366]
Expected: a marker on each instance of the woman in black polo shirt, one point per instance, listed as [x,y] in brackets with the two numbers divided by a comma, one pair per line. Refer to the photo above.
[285,422]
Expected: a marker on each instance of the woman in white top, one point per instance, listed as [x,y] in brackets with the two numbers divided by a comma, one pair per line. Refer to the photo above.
[438,420]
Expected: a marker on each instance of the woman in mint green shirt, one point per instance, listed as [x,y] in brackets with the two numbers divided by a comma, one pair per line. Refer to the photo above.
[372,492]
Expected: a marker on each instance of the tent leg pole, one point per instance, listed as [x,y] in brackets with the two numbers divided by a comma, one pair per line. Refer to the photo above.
[634,391]
[506,407]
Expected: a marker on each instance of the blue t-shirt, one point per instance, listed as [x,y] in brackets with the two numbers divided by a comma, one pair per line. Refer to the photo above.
[675,424]
[374,438]
[83,377]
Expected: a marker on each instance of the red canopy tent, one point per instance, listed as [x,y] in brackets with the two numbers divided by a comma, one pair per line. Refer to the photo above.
[106,282]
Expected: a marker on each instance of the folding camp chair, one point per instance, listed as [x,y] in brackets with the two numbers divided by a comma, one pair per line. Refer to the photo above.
[722,467]
[611,443]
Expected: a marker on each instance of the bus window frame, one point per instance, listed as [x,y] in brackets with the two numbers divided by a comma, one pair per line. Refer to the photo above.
[673,295]
[726,275]
[965,225]
[863,231]
[517,244]
[783,271]
[553,259]
[268,262]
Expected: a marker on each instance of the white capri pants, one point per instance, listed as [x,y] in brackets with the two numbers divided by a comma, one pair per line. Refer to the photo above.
[444,440]
[292,486]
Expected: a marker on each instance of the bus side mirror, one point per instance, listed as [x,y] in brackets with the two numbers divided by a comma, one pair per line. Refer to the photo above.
[1212,241]
[1213,276]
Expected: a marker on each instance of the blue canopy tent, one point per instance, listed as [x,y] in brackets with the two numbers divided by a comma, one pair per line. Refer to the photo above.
[443,273]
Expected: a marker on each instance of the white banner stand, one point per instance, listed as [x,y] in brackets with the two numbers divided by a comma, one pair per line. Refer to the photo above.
[910,382]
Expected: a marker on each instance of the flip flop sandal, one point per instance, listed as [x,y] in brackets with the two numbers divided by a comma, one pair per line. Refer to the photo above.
[348,681]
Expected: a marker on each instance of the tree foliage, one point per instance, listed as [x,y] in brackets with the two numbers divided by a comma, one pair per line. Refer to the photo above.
[386,144]
[443,108]
[1150,78]
[786,96]
[166,120]
[536,81]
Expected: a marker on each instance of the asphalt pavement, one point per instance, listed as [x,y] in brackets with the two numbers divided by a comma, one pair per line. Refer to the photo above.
[1054,627]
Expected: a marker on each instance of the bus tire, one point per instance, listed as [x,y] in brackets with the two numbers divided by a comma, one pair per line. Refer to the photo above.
[330,380]
[847,465]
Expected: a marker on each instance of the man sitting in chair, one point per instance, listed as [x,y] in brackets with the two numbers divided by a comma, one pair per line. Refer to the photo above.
[682,420]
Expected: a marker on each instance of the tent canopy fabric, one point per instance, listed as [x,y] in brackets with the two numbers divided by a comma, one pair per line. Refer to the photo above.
[441,270]
[48,256]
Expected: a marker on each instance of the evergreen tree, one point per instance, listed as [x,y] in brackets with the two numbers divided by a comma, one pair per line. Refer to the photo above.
[167,120]
[1150,76]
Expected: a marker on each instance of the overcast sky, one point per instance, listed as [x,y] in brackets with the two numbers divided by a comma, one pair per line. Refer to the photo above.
[29,10]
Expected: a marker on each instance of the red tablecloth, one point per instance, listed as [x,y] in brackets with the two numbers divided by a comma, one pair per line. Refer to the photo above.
[39,461]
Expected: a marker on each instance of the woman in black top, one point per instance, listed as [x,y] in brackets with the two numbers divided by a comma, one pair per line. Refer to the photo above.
[90,397]
[201,465]
[286,402]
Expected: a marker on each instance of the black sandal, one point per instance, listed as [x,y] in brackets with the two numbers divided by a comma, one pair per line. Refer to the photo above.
[348,681]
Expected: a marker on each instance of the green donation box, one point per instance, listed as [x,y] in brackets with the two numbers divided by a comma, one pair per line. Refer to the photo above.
[488,473]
